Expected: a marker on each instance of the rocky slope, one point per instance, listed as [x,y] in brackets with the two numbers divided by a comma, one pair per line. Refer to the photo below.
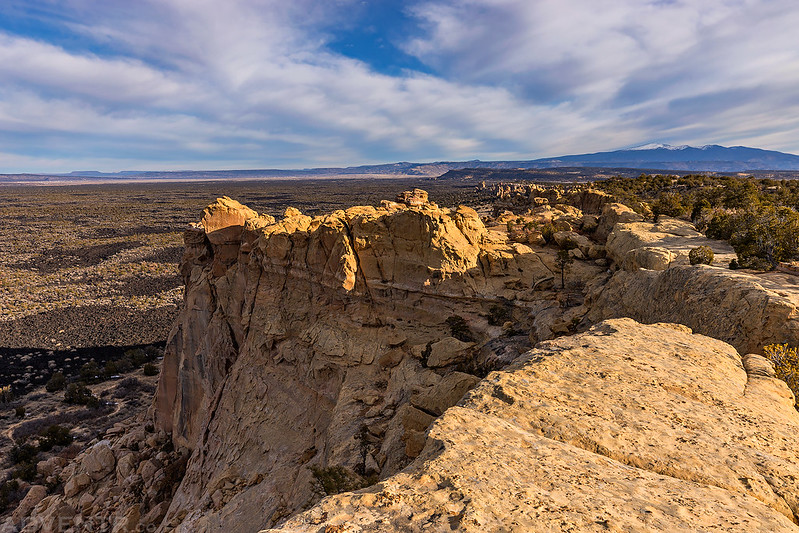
[313,350]
[623,428]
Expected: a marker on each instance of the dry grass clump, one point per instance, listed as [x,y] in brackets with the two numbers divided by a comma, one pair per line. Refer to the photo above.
[786,366]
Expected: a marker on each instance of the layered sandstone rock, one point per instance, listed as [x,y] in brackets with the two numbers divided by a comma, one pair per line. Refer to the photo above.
[310,345]
[656,246]
[322,342]
[736,307]
[623,428]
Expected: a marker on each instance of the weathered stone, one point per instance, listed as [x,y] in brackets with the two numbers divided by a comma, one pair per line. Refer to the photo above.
[76,483]
[448,351]
[98,461]
[35,494]
[612,214]
[445,393]
[129,521]
[627,427]
[414,198]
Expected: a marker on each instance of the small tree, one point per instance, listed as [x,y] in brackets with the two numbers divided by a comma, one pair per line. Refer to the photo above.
[563,261]
[56,382]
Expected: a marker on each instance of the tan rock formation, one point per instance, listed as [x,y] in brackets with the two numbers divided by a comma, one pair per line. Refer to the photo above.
[624,428]
[324,342]
[630,244]
[313,319]
[736,307]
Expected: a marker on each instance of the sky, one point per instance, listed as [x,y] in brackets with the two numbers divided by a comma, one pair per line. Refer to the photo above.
[115,85]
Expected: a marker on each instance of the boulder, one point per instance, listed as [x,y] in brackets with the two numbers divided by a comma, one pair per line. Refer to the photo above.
[648,257]
[76,484]
[445,393]
[448,351]
[414,198]
[612,214]
[98,461]
[35,494]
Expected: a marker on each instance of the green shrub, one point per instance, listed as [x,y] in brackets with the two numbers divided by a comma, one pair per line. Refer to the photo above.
[459,328]
[54,435]
[786,366]
[22,453]
[137,357]
[110,369]
[701,255]
[56,382]
[25,472]
[669,204]
[90,372]
[19,412]
[562,262]
[78,393]
[548,232]
[150,369]
[734,265]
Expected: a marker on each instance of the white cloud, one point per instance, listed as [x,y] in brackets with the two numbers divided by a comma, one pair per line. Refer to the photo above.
[250,81]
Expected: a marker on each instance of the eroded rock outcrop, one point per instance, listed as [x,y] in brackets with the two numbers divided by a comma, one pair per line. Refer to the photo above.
[738,308]
[317,345]
[320,342]
[623,428]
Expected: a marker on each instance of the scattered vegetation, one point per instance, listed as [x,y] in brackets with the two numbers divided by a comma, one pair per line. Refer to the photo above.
[548,232]
[54,435]
[459,328]
[150,369]
[758,217]
[56,382]
[80,394]
[701,255]
[337,479]
[6,394]
[786,366]
[562,262]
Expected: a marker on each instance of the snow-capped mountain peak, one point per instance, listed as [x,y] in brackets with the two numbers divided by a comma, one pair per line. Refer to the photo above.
[656,146]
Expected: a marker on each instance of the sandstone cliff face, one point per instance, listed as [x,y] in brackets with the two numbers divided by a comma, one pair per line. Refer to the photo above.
[623,428]
[735,307]
[655,283]
[319,342]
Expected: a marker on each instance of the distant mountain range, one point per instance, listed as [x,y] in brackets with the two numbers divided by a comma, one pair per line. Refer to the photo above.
[709,158]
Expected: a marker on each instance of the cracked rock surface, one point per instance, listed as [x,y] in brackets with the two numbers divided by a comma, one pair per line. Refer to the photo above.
[626,427]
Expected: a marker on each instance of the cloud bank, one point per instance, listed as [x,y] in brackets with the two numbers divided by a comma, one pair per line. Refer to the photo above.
[174,84]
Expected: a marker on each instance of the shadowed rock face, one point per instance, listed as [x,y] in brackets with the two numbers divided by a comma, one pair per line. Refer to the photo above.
[624,428]
[321,342]
[739,308]
[305,342]
[336,341]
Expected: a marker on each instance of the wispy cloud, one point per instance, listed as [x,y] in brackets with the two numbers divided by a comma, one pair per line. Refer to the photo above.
[253,83]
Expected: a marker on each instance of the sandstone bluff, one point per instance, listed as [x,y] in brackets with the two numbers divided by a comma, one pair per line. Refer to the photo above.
[437,363]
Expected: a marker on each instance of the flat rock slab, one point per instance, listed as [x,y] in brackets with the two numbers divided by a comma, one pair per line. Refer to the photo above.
[624,428]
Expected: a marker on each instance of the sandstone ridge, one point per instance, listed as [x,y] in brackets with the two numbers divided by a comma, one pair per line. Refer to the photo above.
[392,345]
[624,428]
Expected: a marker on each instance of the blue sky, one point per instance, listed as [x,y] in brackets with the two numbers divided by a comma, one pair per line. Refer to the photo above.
[197,84]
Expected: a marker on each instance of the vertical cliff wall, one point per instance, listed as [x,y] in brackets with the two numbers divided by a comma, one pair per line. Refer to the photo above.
[322,342]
